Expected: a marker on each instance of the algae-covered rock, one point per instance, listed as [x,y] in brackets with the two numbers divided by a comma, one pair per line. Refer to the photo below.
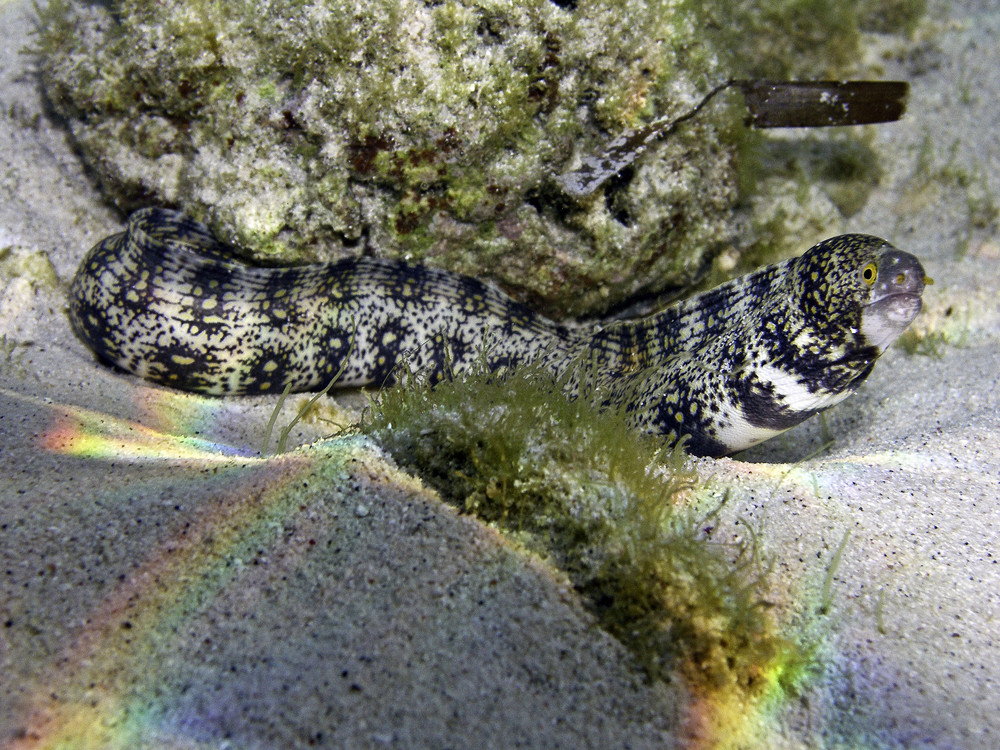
[431,131]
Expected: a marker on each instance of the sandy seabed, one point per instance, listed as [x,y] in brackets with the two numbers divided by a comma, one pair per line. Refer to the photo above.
[162,586]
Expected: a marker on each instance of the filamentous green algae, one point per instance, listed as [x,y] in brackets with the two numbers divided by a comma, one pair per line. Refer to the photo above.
[611,508]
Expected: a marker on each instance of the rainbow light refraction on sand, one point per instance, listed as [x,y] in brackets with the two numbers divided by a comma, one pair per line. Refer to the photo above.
[101,691]
[83,432]
[112,682]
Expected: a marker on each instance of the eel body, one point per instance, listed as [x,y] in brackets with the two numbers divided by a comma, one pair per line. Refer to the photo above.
[729,367]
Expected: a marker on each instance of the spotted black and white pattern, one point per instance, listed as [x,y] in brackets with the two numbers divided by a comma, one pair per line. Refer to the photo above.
[730,367]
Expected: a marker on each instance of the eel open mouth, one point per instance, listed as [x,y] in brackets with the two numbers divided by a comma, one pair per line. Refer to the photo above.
[895,298]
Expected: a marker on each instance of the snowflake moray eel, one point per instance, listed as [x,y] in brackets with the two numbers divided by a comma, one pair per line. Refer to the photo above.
[730,367]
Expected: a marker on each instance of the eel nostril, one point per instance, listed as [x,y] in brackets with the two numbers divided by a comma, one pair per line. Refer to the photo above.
[904,274]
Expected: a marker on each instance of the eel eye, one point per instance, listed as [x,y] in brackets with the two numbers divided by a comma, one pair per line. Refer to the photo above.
[869,273]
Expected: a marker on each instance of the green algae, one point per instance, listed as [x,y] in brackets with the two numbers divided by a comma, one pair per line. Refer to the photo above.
[826,599]
[12,353]
[33,267]
[24,274]
[938,176]
[940,327]
[431,131]
[613,509]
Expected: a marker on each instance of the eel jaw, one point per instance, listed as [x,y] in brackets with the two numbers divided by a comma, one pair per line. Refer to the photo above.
[894,300]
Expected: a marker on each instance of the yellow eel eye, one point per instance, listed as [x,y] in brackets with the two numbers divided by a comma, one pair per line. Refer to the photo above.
[869,273]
